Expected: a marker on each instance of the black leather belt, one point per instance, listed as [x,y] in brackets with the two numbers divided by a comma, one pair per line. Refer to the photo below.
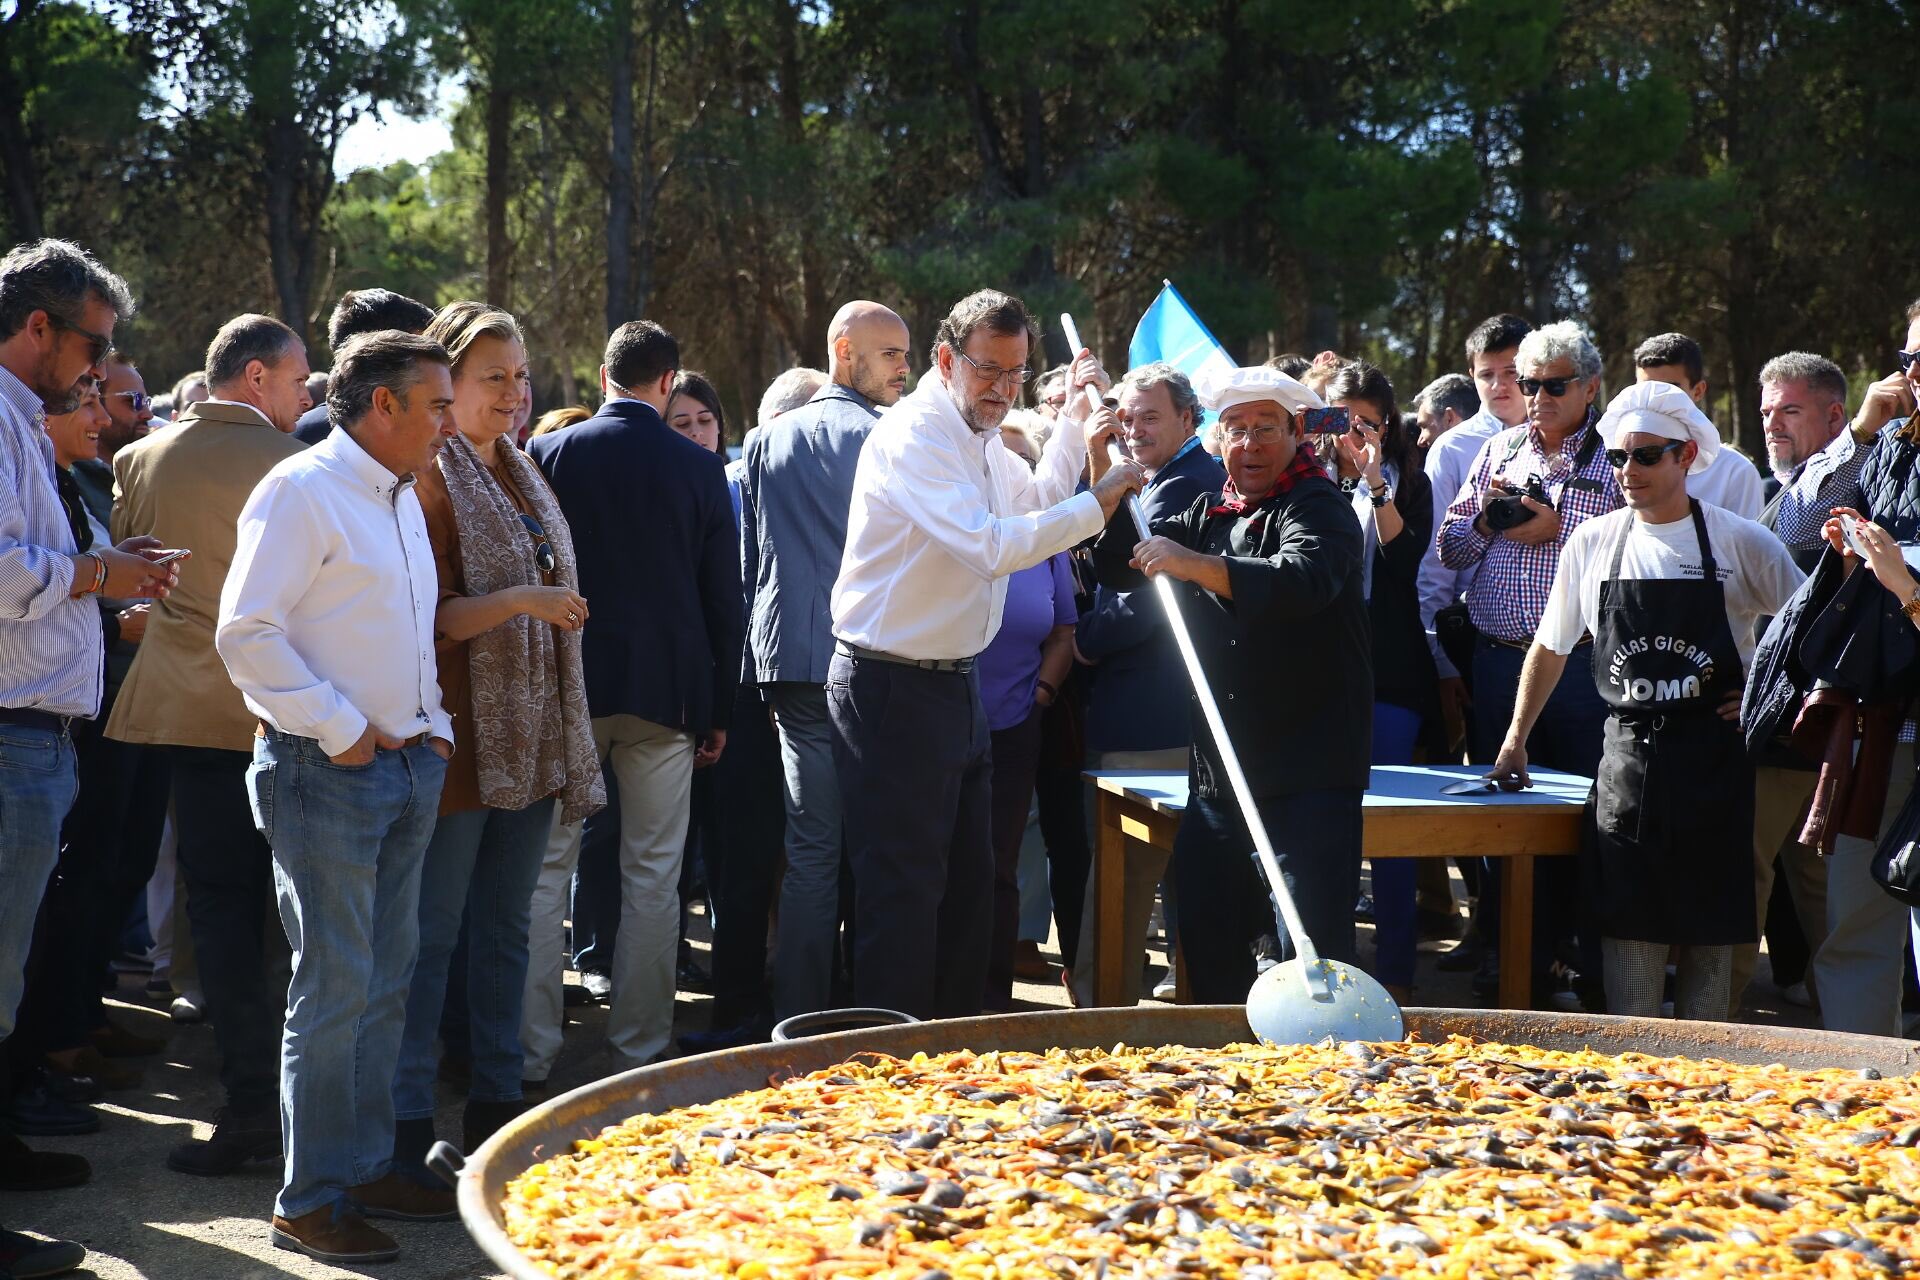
[956,665]
[27,718]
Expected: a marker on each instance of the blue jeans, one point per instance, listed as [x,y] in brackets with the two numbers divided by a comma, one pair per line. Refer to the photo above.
[38,781]
[1395,892]
[481,863]
[347,842]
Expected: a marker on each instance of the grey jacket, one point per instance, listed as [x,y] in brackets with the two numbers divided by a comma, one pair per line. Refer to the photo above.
[793,530]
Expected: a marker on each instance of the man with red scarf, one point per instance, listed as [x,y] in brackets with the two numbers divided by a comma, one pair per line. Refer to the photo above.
[1271,590]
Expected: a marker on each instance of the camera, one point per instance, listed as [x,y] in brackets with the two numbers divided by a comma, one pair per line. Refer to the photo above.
[1508,512]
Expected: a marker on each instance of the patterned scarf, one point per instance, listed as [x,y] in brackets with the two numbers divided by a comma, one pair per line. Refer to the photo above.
[529,743]
[1304,464]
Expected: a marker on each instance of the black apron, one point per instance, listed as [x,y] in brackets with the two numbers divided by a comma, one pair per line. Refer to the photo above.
[1669,851]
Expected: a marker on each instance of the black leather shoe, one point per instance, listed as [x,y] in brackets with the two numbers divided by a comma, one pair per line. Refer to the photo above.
[23,1169]
[37,1113]
[574,996]
[597,985]
[691,977]
[237,1140]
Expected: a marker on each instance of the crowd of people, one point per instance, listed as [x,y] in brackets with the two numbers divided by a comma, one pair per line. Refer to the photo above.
[470,699]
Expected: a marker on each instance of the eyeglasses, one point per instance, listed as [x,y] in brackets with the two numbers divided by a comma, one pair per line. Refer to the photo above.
[1266,433]
[1646,455]
[102,346]
[1906,359]
[542,549]
[136,400]
[1555,387]
[993,373]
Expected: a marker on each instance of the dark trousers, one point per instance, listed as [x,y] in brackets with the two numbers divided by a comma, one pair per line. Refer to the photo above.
[228,870]
[595,911]
[911,750]
[1061,794]
[1317,839]
[1567,736]
[1016,759]
[743,865]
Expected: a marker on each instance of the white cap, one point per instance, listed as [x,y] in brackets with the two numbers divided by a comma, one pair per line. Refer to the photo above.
[1223,390]
[1664,410]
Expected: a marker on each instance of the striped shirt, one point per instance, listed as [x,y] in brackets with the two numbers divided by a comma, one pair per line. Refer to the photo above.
[1829,479]
[52,655]
[1509,593]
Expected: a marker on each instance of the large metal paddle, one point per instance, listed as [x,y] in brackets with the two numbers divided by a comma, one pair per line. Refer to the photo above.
[1308,998]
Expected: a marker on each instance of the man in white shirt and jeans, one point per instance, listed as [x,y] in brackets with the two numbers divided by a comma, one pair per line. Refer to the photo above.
[326,625]
[942,513]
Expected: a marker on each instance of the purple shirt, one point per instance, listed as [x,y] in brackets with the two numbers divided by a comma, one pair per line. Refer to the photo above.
[1039,599]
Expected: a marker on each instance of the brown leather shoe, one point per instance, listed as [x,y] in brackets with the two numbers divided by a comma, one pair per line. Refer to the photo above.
[400,1197]
[88,1061]
[334,1233]
[115,1041]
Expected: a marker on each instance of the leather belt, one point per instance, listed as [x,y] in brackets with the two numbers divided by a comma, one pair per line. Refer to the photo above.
[1524,645]
[27,718]
[261,729]
[958,666]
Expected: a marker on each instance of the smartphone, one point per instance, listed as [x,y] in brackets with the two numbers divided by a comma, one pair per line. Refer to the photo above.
[1850,530]
[170,557]
[1326,422]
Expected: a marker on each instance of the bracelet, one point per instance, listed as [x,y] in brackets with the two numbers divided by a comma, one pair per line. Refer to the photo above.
[99,573]
[1051,691]
[1912,607]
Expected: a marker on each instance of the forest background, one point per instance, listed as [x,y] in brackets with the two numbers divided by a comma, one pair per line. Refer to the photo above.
[1373,176]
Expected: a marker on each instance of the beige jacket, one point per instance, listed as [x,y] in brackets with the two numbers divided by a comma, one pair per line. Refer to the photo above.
[185,484]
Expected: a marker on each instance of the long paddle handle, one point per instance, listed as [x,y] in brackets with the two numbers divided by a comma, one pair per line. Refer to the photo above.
[1303,948]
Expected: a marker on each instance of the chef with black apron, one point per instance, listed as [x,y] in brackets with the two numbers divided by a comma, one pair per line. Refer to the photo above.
[1670,589]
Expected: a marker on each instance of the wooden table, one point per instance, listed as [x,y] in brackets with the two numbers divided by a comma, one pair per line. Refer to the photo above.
[1405,816]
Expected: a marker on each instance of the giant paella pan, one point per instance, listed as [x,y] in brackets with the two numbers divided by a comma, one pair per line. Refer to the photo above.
[1161,1141]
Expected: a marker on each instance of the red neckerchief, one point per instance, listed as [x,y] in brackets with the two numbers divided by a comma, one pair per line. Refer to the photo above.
[1303,465]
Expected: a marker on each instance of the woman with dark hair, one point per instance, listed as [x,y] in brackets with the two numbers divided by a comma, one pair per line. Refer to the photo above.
[1394,502]
[694,411]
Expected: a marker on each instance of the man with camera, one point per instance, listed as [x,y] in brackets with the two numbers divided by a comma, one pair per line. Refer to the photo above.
[1530,487]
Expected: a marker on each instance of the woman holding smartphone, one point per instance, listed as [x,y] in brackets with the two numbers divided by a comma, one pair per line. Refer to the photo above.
[507,635]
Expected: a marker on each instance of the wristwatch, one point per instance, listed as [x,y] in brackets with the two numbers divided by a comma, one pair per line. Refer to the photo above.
[1912,607]
[1382,496]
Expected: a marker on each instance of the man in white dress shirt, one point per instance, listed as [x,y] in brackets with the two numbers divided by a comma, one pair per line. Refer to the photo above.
[1731,481]
[942,513]
[326,626]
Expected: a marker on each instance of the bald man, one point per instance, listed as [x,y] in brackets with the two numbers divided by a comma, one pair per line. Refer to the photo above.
[793,528]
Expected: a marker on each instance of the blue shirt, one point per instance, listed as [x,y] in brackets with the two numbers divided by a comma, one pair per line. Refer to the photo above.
[1039,598]
[52,654]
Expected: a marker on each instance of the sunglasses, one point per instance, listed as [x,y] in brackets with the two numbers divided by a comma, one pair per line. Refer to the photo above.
[101,346]
[542,549]
[1906,359]
[1555,387]
[1646,455]
[136,400]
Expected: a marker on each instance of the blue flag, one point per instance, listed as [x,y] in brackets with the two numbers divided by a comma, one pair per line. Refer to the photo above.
[1170,331]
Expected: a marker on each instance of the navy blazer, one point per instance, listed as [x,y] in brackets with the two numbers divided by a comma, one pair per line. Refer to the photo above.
[653,528]
[794,501]
[1137,699]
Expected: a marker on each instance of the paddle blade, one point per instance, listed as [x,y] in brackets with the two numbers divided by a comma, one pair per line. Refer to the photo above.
[1285,1008]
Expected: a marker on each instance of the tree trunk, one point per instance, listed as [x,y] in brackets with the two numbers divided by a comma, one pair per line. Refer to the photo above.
[1534,231]
[620,169]
[499,172]
[282,180]
[16,154]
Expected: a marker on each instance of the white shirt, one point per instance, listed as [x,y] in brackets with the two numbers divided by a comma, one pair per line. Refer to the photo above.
[940,517]
[326,619]
[1755,566]
[1731,482]
[1449,462]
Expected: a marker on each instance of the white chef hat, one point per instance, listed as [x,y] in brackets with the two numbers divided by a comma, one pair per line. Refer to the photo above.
[1660,409]
[1221,388]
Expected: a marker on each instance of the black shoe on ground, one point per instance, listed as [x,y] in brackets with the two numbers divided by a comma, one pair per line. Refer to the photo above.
[37,1113]
[1486,979]
[482,1119]
[598,985]
[23,1257]
[237,1140]
[1464,958]
[575,996]
[23,1169]
[691,977]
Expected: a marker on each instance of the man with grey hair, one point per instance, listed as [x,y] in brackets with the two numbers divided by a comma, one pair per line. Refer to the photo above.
[58,310]
[332,564]
[187,483]
[1529,488]
[1442,405]
[789,391]
[793,532]
[1137,714]
[941,515]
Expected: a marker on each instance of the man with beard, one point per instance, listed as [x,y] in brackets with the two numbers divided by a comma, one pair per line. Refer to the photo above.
[793,515]
[58,309]
[941,514]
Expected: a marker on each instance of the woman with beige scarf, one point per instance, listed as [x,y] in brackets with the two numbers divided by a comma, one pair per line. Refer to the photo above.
[508,639]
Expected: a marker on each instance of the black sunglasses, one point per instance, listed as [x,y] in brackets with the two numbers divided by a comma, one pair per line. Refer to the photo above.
[1906,359]
[1646,455]
[101,346]
[542,549]
[1555,387]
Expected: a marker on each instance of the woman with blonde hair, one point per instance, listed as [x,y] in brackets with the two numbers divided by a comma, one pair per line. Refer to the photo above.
[507,634]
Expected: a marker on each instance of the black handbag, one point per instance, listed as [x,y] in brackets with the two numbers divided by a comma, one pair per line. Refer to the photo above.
[1896,863]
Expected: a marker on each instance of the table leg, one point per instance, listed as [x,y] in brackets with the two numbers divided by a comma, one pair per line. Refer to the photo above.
[1516,932]
[1109,903]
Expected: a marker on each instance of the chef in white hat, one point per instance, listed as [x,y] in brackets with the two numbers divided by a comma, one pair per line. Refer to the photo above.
[1670,589]
[1268,579]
